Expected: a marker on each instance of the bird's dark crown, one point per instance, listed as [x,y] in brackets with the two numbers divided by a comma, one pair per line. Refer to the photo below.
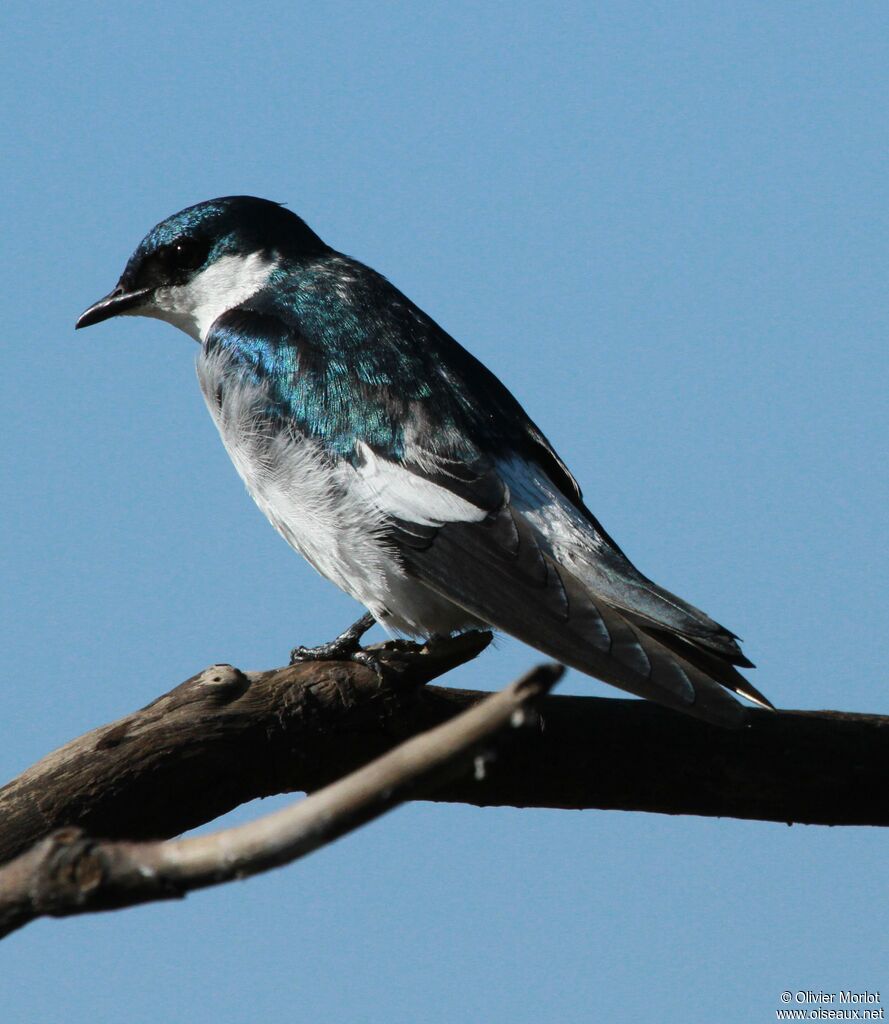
[199,235]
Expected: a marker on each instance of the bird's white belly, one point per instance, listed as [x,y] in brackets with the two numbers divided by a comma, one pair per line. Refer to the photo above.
[316,505]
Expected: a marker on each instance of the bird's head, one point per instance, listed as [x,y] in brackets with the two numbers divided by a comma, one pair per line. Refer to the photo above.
[206,259]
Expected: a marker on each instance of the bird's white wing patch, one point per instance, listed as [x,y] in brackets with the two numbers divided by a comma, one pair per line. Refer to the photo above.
[397,491]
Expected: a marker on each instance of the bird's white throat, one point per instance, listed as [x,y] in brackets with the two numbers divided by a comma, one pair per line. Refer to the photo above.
[193,307]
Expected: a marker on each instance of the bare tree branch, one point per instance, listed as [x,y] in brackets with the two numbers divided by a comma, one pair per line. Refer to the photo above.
[71,873]
[224,737]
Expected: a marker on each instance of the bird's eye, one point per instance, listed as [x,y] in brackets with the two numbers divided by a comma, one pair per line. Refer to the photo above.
[184,254]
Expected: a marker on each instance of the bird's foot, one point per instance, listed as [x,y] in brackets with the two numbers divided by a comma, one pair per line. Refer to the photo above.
[345,647]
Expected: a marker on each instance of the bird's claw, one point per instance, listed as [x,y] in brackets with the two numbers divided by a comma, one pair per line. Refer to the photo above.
[334,651]
[345,647]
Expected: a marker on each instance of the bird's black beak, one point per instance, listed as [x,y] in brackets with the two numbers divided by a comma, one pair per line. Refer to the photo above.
[114,303]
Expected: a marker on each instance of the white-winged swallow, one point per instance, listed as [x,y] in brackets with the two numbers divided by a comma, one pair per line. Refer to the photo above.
[400,466]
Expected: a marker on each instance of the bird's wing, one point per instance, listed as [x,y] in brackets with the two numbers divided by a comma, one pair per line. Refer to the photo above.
[458,531]
[478,505]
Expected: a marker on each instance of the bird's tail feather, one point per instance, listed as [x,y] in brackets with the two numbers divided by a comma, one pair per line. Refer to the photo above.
[712,664]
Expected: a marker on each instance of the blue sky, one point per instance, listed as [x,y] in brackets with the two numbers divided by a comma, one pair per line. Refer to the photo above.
[664,226]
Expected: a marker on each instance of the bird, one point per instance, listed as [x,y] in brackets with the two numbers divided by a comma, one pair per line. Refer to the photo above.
[401,467]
